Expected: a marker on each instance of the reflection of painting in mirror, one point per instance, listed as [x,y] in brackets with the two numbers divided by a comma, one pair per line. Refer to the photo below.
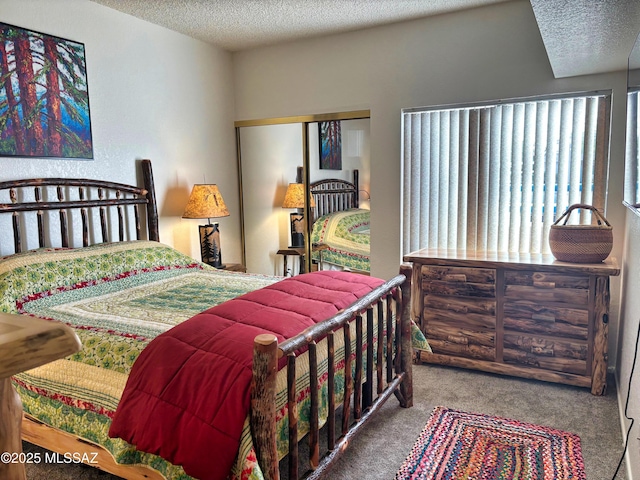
[632,163]
[330,145]
[355,155]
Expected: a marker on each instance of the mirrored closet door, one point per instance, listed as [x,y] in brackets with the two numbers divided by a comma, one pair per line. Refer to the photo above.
[281,155]
[271,155]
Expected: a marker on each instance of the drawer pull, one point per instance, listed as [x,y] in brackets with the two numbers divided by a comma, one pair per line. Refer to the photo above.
[539,317]
[455,277]
[544,351]
[544,284]
[458,339]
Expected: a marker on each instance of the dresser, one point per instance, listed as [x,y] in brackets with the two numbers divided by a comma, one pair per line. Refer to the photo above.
[524,315]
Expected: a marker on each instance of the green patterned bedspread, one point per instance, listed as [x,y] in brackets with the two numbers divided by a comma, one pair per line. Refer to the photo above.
[347,234]
[118,297]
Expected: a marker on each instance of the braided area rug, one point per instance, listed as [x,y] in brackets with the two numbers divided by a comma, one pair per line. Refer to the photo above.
[459,445]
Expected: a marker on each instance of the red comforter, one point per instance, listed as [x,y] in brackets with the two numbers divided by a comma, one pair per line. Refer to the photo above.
[187,396]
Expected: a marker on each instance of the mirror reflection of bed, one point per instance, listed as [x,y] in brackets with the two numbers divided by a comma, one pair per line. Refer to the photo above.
[340,223]
[341,216]
[269,154]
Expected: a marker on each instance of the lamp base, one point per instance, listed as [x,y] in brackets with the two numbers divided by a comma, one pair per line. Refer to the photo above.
[297,230]
[297,240]
[210,245]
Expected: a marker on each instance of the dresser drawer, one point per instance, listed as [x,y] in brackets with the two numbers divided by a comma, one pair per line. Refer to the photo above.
[549,353]
[460,305]
[461,341]
[534,317]
[459,281]
[546,279]
[547,287]
[469,312]
[459,274]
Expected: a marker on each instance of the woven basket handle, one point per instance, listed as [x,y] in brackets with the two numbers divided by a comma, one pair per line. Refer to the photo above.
[576,206]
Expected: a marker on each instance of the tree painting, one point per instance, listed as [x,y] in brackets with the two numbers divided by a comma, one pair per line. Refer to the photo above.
[330,145]
[44,99]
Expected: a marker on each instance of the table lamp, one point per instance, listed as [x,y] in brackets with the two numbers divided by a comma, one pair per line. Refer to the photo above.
[206,201]
[294,198]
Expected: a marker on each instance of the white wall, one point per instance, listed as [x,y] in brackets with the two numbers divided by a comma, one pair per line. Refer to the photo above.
[153,93]
[630,321]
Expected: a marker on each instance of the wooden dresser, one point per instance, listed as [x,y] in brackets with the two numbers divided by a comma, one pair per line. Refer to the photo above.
[523,315]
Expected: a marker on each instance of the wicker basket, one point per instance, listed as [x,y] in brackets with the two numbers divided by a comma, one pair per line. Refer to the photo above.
[581,243]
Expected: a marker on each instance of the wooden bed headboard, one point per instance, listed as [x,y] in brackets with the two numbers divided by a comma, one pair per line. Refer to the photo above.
[334,195]
[31,195]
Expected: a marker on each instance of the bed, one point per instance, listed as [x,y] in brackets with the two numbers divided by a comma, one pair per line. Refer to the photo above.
[341,224]
[122,295]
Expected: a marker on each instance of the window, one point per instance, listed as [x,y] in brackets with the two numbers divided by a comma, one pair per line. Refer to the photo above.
[494,177]
[632,173]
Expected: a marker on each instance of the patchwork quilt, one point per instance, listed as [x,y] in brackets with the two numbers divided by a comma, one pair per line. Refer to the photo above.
[347,234]
[118,297]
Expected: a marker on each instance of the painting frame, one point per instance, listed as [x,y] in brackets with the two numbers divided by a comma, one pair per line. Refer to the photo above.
[44,96]
[330,143]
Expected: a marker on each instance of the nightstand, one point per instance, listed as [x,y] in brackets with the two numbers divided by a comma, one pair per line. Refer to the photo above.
[234,267]
[299,252]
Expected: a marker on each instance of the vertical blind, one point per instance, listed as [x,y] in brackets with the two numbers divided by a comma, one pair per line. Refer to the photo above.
[632,165]
[495,177]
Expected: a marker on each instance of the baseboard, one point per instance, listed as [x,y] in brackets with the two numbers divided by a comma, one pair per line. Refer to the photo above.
[623,427]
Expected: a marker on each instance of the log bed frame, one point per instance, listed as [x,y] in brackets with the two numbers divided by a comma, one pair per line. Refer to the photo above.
[386,374]
[334,195]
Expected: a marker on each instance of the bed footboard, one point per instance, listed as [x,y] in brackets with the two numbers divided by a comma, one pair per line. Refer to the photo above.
[64,443]
[382,368]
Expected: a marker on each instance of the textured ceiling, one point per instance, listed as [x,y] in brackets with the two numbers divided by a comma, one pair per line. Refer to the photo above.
[587,36]
[580,36]
[239,24]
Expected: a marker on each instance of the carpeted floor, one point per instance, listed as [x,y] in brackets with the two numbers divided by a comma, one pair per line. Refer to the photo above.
[378,451]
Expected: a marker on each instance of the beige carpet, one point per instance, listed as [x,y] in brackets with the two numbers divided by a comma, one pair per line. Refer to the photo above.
[379,450]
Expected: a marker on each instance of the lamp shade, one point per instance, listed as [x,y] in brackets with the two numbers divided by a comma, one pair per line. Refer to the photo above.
[205,201]
[294,198]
